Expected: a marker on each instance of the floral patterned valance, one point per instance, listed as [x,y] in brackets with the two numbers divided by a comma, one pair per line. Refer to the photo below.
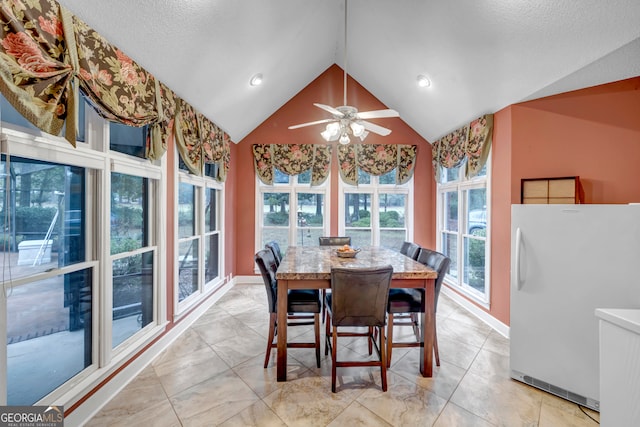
[122,90]
[215,146]
[36,66]
[471,142]
[479,144]
[47,55]
[200,141]
[376,160]
[292,159]
[187,136]
[162,131]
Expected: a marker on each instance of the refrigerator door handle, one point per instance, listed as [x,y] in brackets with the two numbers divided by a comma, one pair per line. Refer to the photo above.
[517,260]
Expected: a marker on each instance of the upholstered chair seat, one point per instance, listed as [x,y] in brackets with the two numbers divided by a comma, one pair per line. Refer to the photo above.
[358,301]
[405,304]
[303,306]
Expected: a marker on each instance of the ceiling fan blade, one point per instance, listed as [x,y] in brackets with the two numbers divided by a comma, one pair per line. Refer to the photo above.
[375,128]
[317,122]
[330,109]
[378,114]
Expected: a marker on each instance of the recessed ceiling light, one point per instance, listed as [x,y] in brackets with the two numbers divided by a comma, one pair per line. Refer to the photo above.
[256,80]
[423,81]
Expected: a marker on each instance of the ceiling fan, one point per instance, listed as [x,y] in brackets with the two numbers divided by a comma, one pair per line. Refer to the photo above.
[346,119]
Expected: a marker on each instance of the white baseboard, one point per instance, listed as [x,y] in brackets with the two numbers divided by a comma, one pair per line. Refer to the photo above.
[494,323]
[248,279]
[90,407]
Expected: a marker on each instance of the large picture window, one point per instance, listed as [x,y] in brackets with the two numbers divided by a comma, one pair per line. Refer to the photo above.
[376,212]
[291,212]
[47,277]
[463,230]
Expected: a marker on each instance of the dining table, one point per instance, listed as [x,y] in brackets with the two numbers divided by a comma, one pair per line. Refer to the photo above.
[309,267]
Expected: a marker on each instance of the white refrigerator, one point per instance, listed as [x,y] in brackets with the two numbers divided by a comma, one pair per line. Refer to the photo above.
[566,261]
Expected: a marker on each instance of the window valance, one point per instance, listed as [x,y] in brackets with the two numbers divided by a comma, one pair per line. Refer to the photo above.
[471,142]
[36,66]
[47,55]
[215,146]
[292,159]
[376,159]
[200,141]
[162,131]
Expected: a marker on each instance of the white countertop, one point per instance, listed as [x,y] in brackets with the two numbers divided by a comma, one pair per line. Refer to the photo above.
[626,318]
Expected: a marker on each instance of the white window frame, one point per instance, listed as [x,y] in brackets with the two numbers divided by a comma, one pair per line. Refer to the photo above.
[375,189]
[98,161]
[292,188]
[154,215]
[461,185]
[204,289]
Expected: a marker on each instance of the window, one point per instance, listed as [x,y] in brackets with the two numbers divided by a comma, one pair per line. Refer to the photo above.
[128,139]
[376,212]
[463,230]
[17,121]
[132,256]
[82,288]
[189,242]
[211,235]
[47,276]
[290,211]
[200,254]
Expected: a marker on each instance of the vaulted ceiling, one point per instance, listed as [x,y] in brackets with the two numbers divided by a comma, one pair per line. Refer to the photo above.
[480,55]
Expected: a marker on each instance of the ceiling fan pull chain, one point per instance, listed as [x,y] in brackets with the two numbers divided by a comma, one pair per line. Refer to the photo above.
[344,83]
[346,119]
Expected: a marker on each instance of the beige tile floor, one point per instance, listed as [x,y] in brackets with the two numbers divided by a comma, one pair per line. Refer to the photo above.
[212,375]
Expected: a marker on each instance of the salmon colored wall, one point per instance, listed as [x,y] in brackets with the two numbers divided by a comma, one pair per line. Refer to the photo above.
[244,214]
[230,201]
[326,89]
[562,135]
[592,133]
[501,215]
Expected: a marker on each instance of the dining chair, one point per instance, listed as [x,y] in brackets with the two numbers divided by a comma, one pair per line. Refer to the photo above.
[334,240]
[331,241]
[410,249]
[411,301]
[303,306]
[358,299]
[275,248]
[404,247]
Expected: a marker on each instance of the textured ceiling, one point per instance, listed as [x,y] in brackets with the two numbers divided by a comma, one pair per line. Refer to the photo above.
[481,55]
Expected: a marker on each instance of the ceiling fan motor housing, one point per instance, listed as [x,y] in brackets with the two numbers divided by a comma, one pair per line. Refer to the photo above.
[348,112]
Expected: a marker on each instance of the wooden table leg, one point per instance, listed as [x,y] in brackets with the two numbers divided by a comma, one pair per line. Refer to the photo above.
[281,363]
[427,324]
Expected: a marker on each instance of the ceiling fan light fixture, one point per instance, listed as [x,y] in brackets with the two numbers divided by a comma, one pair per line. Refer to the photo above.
[333,128]
[331,132]
[344,139]
[326,134]
[256,80]
[423,81]
[357,129]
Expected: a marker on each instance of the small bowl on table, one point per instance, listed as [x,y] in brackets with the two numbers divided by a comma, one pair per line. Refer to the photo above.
[348,254]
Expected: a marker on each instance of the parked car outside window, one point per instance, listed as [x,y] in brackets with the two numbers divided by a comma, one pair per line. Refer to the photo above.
[477,221]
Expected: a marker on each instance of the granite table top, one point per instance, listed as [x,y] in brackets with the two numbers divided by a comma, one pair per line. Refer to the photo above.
[315,263]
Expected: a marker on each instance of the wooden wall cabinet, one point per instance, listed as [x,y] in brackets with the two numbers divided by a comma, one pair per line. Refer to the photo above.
[564,190]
